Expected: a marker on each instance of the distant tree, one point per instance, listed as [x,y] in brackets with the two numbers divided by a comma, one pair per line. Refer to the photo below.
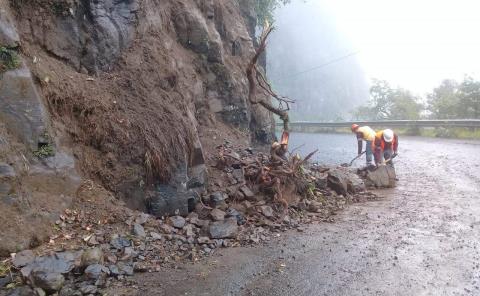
[381,99]
[405,106]
[453,100]
[469,94]
[444,101]
[389,103]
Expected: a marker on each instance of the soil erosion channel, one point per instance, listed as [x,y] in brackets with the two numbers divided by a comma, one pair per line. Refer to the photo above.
[421,239]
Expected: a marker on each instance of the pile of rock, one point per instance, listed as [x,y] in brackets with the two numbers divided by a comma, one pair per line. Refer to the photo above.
[88,255]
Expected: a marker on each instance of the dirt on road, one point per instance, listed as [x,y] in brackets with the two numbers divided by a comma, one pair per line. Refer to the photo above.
[423,238]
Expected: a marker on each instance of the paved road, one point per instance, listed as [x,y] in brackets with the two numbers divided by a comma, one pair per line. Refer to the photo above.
[423,238]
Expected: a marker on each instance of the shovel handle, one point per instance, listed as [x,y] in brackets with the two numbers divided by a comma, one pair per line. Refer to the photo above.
[357,157]
[390,159]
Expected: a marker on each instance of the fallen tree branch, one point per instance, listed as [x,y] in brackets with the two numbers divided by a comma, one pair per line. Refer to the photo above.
[255,77]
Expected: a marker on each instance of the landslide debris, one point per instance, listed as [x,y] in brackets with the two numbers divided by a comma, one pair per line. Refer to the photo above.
[99,242]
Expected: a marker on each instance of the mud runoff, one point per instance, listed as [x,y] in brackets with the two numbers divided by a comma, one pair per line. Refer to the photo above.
[423,238]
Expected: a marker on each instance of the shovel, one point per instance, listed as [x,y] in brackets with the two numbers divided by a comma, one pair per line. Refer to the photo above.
[391,158]
[351,162]
[373,167]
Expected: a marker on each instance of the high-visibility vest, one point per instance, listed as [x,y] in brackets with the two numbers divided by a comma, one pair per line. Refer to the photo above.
[367,132]
[379,140]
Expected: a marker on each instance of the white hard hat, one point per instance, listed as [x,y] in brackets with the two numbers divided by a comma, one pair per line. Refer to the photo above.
[388,135]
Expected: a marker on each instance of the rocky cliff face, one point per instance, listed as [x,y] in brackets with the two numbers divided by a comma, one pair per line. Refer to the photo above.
[128,93]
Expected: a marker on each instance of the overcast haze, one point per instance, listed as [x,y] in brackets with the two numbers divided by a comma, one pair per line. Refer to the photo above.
[307,37]
[413,44]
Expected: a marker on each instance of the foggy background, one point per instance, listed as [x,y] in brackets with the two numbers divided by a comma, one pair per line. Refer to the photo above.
[310,61]
[413,45]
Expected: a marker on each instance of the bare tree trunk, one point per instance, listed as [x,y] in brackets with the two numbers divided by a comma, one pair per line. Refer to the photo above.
[256,77]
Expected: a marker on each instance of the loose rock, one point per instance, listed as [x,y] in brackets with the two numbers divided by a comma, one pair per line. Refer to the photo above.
[92,256]
[155,236]
[218,198]
[217,215]
[124,268]
[177,221]
[233,213]
[21,291]
[142,218]
[267,211]
[383,177]
[224,229]
[247,192]
[48,281]
[23,258]
[94,271]
[138,230]
[120,242]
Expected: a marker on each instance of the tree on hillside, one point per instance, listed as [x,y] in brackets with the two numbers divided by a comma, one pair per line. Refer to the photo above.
[389,103]
[266,8]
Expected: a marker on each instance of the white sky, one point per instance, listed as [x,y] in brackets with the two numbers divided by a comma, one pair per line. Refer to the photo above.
[411,43]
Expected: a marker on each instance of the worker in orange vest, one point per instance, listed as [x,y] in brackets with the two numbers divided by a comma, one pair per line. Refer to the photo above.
[385,146]
[364,133]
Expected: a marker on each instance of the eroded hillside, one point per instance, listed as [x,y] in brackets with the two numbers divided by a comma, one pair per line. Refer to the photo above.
[128,94]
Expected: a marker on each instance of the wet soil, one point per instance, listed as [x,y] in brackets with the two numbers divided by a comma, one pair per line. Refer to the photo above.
[422,238]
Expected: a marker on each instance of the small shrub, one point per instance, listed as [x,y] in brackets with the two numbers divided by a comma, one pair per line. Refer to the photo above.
[60,8]
[44,151]
[8,59]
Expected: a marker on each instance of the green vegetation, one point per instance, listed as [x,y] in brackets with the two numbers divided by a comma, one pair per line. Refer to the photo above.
[44,151]
[266,8]
[58,7]
[450,100]
[389,103]
[8,59]
[455,100]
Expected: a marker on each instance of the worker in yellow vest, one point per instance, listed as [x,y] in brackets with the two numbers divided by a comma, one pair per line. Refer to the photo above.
[364,133]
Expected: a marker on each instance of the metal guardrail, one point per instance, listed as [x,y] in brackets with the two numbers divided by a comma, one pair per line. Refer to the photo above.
[472,123]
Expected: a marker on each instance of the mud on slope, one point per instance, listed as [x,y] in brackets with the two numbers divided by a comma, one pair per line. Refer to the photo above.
[160,71]
[128,87]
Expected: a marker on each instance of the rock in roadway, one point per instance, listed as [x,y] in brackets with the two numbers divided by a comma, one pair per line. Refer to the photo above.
[233,213]
[142,218]
[267,211]
[321,180]
[217,215]
[337,180]
[21,291]
[94,271]
[138,230]
[218,198]
[223,229]
[23,258]
[48,281]
[92,256]
[382,177]
[61,263]
[120,242]
[177,221]
[249,195]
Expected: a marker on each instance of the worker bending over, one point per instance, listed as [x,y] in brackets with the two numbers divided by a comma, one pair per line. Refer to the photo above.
[364,133]
[385,146]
